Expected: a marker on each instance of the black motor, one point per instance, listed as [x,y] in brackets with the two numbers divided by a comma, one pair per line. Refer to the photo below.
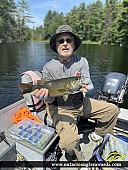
[114,87]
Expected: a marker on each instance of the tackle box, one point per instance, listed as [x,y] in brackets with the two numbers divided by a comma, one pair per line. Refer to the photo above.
[31,131]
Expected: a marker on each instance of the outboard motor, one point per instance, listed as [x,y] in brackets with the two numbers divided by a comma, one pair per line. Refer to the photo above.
[114,88]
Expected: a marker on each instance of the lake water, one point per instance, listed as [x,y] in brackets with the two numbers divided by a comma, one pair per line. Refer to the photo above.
[17,58]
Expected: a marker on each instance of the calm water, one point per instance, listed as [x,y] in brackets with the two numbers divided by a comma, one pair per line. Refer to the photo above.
[17,58]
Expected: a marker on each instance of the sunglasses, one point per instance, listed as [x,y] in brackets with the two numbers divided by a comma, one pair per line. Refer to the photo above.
[62,40]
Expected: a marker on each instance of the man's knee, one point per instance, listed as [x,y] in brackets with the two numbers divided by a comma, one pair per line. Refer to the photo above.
[114,109]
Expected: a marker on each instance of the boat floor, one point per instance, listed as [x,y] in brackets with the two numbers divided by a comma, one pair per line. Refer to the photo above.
[86,144]
[87,147]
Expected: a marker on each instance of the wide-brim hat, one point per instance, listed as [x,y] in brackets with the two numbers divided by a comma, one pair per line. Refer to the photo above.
[64,29]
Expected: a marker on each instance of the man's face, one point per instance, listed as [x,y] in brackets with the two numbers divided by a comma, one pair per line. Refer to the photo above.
[65,44]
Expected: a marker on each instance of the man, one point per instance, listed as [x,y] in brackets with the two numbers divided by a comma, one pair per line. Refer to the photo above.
[65,113]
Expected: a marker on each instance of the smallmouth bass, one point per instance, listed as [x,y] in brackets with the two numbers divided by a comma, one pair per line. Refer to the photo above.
[57,87]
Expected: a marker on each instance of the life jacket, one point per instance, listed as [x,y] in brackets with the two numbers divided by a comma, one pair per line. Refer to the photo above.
[34,104]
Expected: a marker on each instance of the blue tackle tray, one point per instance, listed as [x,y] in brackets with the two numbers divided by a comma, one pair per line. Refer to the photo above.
[36,133]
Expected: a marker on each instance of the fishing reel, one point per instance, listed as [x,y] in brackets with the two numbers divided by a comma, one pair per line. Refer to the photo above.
[113,88]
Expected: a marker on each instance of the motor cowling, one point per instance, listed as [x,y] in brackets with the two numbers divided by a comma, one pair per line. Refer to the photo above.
[113,87]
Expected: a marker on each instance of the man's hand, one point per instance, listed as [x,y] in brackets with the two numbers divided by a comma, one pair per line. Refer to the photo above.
[42,93]
[84,88]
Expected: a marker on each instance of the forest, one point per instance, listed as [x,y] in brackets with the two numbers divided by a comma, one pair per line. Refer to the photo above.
[97,22]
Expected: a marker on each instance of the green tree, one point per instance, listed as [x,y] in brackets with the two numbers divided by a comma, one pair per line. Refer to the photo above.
[82,21]
[72,19]
[95,21]
[7,20]
[52,20]
[23,17]
[123,24]
[38,34]
[111,24]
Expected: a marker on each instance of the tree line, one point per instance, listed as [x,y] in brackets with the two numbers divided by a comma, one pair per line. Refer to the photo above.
[13,20]
[105,23]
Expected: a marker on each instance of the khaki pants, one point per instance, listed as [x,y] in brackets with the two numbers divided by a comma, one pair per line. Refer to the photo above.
[65,121]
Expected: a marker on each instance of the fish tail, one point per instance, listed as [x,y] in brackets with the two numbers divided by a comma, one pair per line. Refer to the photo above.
[25,88]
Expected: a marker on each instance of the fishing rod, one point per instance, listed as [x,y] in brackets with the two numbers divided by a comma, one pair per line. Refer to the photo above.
[21,157]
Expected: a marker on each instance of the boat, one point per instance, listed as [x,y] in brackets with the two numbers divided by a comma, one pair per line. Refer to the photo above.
[12,146]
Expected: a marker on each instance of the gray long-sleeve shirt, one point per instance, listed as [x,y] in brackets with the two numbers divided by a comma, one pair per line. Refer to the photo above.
[55,69]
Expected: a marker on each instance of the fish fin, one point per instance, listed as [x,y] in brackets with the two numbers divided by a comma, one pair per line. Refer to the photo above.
[65,97]
[25,87]
[47,108]
[39,82]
